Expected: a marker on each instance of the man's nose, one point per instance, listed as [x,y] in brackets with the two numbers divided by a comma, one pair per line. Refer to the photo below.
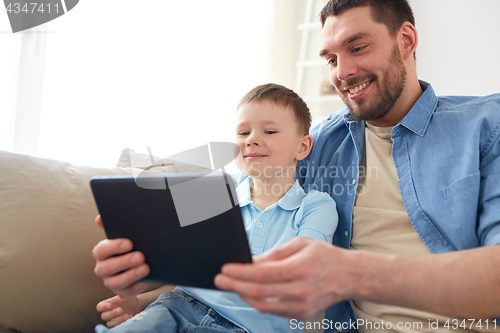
[346,68]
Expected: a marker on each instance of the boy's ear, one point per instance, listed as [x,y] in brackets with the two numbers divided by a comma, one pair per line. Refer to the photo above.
[305,147]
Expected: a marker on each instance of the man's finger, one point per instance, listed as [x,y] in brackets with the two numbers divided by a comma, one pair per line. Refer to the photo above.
[292,267]
[294,290]
[282,299]
[276,306]
[266,272]
[284,251]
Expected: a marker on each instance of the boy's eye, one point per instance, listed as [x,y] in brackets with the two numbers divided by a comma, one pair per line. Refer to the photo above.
[271,132]
[243,133]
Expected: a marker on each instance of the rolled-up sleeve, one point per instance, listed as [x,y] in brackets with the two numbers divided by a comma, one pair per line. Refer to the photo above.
[489,198]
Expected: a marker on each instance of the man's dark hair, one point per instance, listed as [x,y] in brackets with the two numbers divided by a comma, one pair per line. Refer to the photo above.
[392,13]
[281,96]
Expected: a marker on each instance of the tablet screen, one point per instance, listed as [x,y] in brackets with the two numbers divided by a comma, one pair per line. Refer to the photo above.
[187,225]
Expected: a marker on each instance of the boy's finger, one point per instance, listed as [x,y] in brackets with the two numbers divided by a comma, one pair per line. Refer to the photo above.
[115,265]
[111,247]
[103,306]
[126,284]
[98,221]
[119,320]
[109,315]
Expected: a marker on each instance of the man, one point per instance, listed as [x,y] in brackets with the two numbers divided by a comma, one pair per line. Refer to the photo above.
[435,191]
[416,179]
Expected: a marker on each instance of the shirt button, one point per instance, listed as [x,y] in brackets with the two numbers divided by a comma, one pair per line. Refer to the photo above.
[339,329]
[259,225]
[353,181]
[347,233]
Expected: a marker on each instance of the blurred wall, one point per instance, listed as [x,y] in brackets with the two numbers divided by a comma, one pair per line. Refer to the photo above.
[458,50]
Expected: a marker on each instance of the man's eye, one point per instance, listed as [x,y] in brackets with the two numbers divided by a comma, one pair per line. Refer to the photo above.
[331,62]
[357,49]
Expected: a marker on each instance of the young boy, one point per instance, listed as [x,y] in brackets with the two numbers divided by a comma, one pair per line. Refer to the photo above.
[272,127]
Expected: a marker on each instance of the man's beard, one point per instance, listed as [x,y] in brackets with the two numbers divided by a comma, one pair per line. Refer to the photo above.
[390,89]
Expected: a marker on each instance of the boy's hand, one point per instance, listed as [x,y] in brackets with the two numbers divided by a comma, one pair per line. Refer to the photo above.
[118,309]
[118,268]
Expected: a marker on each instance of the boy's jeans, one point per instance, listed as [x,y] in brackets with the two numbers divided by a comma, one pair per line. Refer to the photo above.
[175,312]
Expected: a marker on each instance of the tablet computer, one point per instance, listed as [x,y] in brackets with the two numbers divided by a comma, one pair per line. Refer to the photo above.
[187,225]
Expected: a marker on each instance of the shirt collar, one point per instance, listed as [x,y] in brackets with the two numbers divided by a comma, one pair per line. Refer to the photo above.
[243,192]
[290,201]
[417,119]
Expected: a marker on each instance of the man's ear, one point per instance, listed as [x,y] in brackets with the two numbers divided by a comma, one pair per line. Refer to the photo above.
[305,147]
[408,39]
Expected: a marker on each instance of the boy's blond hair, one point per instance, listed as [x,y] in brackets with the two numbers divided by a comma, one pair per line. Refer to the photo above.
[282,96]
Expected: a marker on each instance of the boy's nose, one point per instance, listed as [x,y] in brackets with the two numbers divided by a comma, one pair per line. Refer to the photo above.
[251,143]
[252,140]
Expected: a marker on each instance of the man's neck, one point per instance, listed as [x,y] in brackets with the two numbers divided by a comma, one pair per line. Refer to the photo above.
[408,98]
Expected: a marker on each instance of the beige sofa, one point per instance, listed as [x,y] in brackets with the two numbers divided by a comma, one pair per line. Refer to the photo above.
[47,233]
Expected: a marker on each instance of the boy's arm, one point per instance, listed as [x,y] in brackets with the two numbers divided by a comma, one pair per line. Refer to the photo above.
[149,297]
[320,217]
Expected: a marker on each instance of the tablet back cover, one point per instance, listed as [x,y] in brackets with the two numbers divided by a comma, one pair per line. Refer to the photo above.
[187,228]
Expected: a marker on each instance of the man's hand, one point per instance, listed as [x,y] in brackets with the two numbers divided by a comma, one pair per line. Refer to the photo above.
[294,280]
[119,269]
[303,277]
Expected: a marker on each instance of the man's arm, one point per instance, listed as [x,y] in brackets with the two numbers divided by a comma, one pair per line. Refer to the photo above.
[304,277]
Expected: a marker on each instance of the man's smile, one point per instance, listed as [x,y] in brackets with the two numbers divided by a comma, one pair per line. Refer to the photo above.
[358,90]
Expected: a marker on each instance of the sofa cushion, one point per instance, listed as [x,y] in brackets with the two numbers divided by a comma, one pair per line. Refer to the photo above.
[129,158]
[47,232]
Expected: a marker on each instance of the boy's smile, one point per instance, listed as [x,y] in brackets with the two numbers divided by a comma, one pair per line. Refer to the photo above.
[254,156]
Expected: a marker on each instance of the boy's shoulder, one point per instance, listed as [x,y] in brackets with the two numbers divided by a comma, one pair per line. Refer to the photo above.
[310,199]
[314,197]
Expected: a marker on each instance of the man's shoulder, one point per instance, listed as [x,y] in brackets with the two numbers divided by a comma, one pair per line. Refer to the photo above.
[332,123]
[468,114]
[334,118]
[489,103]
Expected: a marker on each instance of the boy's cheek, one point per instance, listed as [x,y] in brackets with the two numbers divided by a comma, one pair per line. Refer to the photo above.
[239,163]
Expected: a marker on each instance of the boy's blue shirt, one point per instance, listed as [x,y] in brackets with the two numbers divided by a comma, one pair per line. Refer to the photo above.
[447,155]
[311,215]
